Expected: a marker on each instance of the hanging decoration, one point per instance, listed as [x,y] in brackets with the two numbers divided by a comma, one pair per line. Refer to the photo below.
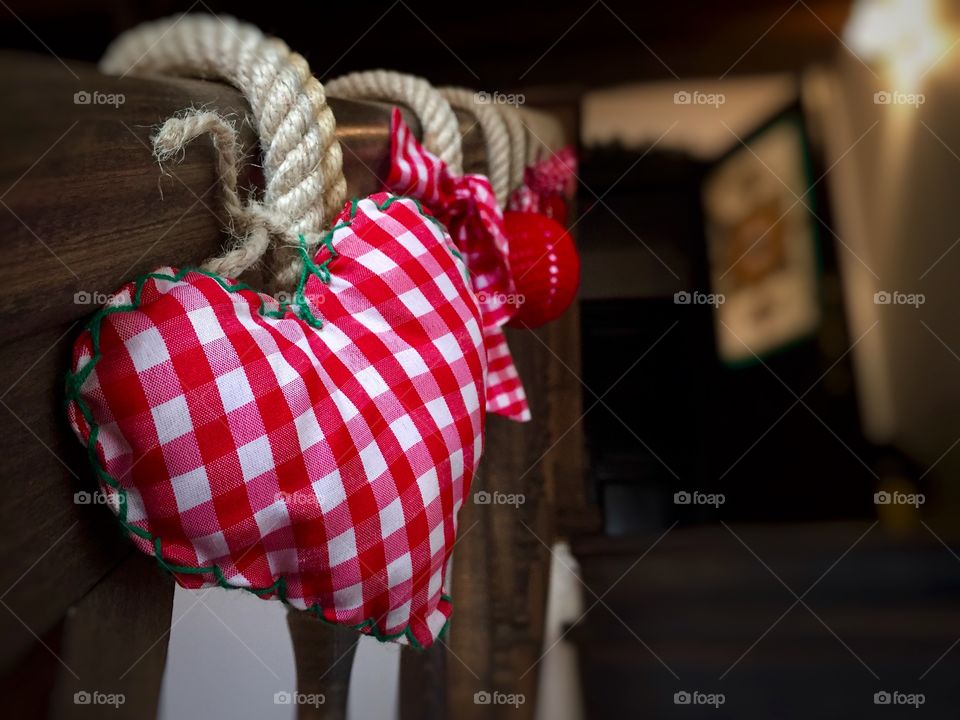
[315,446]
[544,259]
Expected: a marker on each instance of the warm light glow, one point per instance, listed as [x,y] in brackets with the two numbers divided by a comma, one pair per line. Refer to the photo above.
[906,36]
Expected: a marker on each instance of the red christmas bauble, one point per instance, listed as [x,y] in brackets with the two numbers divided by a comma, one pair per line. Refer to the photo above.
[545,266]
[555,207]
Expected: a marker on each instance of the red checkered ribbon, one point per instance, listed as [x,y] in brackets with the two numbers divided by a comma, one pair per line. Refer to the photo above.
[316,449]
[547,185]
[468,207]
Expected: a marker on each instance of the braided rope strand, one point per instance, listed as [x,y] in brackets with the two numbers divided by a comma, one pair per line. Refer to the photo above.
[302,160]
[518,143]
[251,223]
[441,131]
[495,135]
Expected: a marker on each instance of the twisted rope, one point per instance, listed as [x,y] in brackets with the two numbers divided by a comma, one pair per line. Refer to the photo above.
[302,161]
[518,144]
[251,222]
[441,131]
[495,137]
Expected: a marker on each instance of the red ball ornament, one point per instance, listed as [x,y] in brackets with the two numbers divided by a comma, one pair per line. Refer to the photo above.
[555,206]
[545,266]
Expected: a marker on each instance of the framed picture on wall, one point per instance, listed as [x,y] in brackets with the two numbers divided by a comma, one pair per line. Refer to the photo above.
[762,242]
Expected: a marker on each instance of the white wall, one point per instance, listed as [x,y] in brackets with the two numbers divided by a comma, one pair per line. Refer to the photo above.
[895,203]
[231,652]
[640,114]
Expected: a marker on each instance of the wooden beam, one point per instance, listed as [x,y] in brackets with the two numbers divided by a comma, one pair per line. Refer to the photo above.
[85,207]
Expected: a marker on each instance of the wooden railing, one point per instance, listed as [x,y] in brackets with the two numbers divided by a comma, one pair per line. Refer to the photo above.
[83,208]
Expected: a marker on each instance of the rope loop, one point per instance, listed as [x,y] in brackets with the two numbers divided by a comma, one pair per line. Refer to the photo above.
[302,160]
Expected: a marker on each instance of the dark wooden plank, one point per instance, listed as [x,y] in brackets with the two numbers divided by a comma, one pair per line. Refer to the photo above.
[423,683]
[114,645]
[84,209]
[324,655]
[703,605]
[29,687]
[53,550]
[521,536]
[576,513]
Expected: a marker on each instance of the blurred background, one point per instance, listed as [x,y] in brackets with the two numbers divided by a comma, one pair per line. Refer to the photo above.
[770,344]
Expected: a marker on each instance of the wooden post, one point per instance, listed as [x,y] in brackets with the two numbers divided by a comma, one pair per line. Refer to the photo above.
[324,656]
[114,645]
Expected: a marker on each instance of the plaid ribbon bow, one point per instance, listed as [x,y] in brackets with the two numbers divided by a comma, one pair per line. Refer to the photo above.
[467,206]
[547,185]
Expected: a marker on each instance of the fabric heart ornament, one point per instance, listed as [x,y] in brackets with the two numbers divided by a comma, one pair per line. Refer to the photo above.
[467,206]
[315,448]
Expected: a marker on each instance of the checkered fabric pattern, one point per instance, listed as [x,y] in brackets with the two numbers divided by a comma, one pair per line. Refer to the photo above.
[468,207]
[316,450]
[547,185]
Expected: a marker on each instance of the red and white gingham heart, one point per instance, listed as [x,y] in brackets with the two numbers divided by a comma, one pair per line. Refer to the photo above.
[244,445]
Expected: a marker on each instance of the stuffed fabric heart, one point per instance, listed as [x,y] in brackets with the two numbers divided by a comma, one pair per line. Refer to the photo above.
[315,449]
[466,204]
